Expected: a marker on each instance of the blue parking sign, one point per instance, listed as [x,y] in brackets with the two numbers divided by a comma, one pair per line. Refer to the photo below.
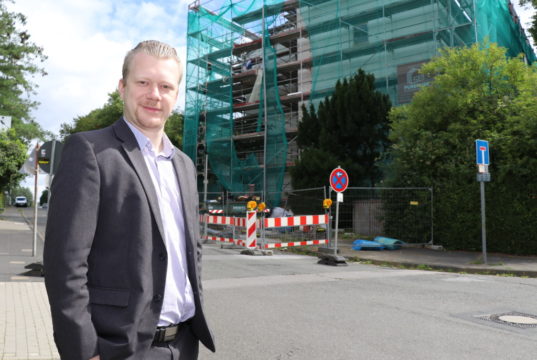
[482,152]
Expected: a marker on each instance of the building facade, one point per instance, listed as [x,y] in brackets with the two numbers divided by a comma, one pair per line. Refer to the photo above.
[252,64]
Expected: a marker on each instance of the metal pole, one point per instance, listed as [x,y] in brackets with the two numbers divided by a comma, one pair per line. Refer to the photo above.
[432,216]
[205,205]
[264,106]
[34,244]
[337,227]
[483,223]
[51,171]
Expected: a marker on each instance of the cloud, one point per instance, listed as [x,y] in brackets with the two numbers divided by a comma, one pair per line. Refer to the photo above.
[85,41]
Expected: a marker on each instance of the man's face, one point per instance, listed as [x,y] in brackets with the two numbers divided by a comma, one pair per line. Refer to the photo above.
[150,91]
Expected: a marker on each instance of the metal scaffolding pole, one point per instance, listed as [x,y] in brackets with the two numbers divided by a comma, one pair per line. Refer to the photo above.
[265,120]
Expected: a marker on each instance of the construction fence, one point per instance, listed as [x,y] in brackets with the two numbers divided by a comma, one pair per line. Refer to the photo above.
[402,213]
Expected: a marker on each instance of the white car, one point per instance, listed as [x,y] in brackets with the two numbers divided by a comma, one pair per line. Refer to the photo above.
[21,201]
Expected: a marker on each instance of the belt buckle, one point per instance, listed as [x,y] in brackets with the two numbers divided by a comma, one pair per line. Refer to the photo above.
[170,332]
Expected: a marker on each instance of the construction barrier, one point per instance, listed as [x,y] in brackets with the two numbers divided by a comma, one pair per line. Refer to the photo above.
[277,233]
[249,223]
[295,228]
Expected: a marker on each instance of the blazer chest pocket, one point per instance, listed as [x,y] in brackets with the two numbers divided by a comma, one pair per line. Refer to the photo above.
[109,296]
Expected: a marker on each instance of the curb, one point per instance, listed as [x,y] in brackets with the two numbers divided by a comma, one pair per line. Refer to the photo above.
[445,268]
[431,267]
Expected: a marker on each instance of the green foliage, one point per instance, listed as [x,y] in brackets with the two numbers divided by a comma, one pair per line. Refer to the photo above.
[111,112]
[12,155]
[477,93]
[19,62]
[43,199]
[350,129]
[174,128]
[533,29]
[96,119]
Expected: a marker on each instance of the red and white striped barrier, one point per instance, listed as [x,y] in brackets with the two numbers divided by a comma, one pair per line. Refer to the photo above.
[249,222]
[251,229]
[216,211]
[295,243]
[227,240]
[223,220]
[296,221]
[303,222]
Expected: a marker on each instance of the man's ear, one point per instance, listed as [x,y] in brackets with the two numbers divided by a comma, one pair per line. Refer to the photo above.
[121,88]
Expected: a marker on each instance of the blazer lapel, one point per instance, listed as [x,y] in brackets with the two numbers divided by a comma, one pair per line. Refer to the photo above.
[130,145]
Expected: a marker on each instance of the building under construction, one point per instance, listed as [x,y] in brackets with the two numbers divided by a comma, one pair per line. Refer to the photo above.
[252,64]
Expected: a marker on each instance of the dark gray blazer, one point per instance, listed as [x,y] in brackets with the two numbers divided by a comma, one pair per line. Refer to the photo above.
[104,257]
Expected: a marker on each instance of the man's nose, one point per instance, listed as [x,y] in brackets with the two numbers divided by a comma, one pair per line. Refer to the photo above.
[153,92]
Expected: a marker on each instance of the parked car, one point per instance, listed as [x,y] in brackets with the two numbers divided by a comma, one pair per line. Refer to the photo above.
[21,201]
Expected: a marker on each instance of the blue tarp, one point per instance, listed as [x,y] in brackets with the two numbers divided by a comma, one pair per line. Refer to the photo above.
[360,244]
[379,243]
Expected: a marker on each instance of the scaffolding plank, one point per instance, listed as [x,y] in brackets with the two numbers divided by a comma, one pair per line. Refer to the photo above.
[230,25]
[270,10]
[203,37]
[212,64]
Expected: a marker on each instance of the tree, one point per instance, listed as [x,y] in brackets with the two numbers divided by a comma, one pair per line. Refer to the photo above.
[533,29]
[43,199]
[19,62]
[12,155]
[477,93]
[349,128]
[111,112]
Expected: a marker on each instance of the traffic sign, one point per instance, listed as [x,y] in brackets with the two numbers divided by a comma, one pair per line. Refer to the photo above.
[482,152]
[339,180]
[49,150]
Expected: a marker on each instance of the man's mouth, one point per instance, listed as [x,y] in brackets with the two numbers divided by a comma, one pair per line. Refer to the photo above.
[150,108]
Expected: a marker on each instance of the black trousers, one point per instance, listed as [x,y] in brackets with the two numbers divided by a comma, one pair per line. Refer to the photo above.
[184,347]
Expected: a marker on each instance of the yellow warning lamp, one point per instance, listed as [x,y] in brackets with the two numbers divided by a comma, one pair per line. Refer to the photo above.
[251,205]
[261,207]
[327,203]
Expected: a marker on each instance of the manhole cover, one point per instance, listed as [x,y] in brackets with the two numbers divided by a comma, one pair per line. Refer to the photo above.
[515,319]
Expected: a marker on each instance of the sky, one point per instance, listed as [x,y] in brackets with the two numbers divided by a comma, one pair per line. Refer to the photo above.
[86,41]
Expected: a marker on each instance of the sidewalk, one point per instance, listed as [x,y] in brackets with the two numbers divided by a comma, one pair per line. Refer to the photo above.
[442,260]
[25,323]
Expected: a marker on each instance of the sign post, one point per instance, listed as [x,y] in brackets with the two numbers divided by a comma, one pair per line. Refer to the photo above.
[339,181]
[483,175]
[49,159]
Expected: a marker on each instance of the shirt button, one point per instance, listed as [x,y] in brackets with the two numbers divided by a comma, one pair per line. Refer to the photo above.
[157,298]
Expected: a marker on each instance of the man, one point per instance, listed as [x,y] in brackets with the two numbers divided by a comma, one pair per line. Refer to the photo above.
[123,252]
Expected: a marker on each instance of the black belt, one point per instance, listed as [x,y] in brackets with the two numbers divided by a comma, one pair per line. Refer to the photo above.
[168,333]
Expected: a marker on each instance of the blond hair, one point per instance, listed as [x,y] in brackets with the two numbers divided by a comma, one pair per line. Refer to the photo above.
[154,48]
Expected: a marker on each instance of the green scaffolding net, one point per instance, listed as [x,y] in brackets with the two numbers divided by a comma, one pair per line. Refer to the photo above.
[252,64]
[224,52]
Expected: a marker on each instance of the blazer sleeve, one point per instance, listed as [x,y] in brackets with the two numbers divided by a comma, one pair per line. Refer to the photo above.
[71,224]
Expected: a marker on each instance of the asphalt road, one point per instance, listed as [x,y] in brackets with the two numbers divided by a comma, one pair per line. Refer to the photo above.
[17,243]
[289,307]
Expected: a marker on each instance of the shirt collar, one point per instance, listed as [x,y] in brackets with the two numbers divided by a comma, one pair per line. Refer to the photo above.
[144,142]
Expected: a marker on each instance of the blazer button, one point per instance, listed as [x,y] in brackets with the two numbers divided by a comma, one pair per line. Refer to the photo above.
[162,256]
[157,298]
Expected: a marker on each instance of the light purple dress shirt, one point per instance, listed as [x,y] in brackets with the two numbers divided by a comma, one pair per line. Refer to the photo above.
[178,303]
